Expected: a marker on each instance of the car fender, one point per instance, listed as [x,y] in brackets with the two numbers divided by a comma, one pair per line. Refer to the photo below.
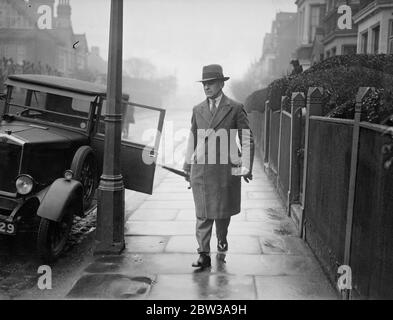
[60,195]
[41,194]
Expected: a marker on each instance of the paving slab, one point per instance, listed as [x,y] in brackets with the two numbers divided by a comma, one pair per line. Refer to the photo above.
[110,286]
[188,228]
[260,204]
[284,245]
[259,182]
[145,243]
[237,244]
[169,188]
[180,263]
[154,214]
[262,195]
[299,287]
[266,214]
[254,187]
[159,204]
[160,228]
[189,215]
[203,286]
[173,196]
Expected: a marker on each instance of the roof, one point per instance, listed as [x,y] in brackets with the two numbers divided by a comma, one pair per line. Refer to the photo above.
[60,83]
[369,7]
[31,15]
[77,86]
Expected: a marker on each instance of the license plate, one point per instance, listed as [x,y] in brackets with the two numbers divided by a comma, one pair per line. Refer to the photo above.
[7,228]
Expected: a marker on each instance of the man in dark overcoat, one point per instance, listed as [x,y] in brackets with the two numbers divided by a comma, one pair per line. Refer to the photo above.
[219,152]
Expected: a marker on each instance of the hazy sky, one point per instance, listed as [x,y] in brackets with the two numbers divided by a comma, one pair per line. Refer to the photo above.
[180,36]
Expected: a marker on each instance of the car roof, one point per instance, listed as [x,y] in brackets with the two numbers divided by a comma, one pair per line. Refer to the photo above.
[65,84]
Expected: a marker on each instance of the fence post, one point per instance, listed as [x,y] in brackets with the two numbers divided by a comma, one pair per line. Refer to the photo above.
[298,101]
[283,101]
[261,129]
[253,120]
[266,134]
[313,108]
[362,93]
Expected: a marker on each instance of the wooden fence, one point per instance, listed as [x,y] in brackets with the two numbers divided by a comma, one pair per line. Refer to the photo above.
[335,178]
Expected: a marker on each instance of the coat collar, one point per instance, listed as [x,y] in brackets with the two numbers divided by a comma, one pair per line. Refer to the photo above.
[222,110]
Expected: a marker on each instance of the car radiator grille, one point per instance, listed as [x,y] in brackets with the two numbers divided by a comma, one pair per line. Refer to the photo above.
[10,154]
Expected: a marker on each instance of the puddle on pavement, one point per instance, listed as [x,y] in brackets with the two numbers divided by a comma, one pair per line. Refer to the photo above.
[110,286]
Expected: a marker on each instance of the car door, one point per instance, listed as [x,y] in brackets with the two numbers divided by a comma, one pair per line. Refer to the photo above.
[141,134]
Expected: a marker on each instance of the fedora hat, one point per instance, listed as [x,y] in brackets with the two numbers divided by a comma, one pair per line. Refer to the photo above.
[212,72]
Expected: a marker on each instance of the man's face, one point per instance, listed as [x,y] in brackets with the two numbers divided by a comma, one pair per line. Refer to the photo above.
[213,88]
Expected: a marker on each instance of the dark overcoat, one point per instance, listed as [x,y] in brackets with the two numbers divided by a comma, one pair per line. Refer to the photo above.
[216,191]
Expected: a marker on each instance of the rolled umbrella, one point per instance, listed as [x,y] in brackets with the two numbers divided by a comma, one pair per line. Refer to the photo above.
[176,171]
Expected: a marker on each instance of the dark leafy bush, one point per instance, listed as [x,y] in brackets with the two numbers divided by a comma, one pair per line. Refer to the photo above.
[380,62]
[341,77]
[377,107]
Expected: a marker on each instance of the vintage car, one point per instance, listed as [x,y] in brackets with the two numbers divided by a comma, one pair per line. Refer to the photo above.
[52,134]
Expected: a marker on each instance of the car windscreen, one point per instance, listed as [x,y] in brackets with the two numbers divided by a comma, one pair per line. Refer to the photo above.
[50,107]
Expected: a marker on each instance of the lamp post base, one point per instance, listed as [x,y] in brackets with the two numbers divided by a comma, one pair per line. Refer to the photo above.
[110,216]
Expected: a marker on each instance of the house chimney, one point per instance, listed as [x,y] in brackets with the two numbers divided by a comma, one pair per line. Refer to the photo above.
[64,14]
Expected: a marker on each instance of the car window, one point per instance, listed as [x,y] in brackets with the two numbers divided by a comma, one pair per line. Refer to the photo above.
[139,123]
[2,103]
[18,97]
[37,100]
[55,108]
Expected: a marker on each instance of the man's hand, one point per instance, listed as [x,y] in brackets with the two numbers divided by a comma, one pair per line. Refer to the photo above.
[245,172]
[247,177]
[242,171]
[187,177]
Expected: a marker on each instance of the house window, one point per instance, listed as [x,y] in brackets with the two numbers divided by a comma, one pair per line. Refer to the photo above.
[334,50]
[364,41]
[301,26]
[327,54]
[375,39]
[315,18]
[390,39]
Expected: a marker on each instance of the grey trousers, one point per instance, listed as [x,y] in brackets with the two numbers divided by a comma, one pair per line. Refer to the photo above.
[204,231]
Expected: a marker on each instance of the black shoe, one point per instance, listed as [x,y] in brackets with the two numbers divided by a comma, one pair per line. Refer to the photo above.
[222,246]
[203,261]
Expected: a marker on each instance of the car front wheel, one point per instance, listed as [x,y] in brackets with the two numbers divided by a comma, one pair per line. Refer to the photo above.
[84,166]
[53,236]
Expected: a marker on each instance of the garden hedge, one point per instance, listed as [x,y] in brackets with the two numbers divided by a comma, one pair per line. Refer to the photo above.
[341,77]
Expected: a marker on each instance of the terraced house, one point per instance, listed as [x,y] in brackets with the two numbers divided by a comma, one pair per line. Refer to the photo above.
[320,36]
[375,27]
[22,40]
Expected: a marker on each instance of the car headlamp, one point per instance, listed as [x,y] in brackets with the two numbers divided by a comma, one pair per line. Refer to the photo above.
[24,184]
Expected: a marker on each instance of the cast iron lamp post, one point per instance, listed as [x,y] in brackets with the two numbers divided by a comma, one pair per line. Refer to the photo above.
[110,210]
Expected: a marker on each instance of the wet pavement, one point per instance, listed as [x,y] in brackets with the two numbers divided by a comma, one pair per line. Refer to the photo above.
[266,259]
